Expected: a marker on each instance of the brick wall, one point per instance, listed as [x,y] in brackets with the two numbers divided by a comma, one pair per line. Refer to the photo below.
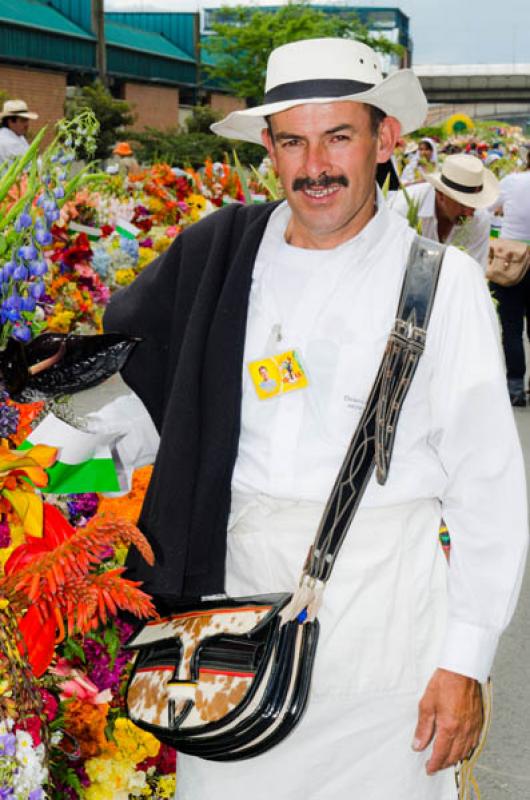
[225,104]
[44,92]
[156,106]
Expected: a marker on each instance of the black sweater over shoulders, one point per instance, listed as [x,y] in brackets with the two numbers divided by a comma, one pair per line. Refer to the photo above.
[190,309]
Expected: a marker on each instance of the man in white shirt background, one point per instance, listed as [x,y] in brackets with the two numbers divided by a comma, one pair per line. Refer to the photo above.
[14,119]
[321,274]
[514,301]
[452,204]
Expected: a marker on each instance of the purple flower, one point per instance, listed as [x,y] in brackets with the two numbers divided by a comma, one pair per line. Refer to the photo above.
[147,242]
[58,192]
[28,252]
[36,794]
[6,792]
[7,745]
[5,541]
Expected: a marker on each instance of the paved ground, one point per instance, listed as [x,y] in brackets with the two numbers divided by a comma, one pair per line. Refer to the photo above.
[504,769]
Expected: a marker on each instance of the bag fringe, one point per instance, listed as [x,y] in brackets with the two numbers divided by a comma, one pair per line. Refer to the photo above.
[466,781]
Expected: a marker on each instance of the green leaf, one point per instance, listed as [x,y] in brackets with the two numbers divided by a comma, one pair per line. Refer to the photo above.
[72,649]
[243,179]
[3,245]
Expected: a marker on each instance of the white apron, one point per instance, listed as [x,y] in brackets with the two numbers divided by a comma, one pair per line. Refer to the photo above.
[382,621]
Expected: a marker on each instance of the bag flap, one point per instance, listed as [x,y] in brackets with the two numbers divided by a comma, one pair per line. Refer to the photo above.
[212,617]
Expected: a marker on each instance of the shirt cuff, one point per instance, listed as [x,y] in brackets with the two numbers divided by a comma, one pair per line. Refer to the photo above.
[469,649]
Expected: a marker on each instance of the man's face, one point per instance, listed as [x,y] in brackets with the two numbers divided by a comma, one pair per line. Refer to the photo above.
[19,125]
[452,210]
[263,372]
[326,156]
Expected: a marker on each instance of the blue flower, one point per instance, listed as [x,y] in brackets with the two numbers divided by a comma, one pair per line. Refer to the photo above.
[52,216]
[9,267]
[43,236]
[23,221]
[20,273]
[38,267]
[37,289]
[58,192]
[28,252]
[28,303]
[22,332]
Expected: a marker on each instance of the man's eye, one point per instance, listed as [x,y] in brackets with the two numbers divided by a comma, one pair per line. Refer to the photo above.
[291,143]
[340,137]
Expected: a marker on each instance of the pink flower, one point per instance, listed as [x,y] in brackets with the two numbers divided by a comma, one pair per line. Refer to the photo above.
[172,231]
[49,705]
[78,685]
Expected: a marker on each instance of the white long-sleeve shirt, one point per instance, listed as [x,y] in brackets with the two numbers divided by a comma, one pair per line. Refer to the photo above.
[472,235]
[11,145]
[456,439]
[514,199]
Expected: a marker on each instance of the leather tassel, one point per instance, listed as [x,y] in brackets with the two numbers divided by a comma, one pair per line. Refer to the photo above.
[305,602]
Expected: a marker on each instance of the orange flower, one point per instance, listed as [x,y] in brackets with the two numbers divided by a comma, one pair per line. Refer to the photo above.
[128,506]
[86,723]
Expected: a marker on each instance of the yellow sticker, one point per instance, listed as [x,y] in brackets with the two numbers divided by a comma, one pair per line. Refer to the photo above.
[277,374]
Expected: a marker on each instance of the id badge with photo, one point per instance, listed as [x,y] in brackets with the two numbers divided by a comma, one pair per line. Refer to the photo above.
[276,375]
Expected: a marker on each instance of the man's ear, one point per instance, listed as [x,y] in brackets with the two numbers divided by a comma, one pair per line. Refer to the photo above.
[267,141]
[387,137]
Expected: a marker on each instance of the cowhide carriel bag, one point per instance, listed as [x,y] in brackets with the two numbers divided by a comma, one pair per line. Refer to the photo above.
[228,678]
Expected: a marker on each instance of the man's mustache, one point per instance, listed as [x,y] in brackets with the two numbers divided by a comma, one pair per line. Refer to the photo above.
[322,182]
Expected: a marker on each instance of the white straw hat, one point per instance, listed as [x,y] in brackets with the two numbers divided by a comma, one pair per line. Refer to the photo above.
[324,70]
[17,108]
[465,179]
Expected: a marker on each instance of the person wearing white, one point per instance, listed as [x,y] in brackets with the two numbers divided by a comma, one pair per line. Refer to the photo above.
[514,301]
[398,627]
[425,159]
[14,124]
[448,211]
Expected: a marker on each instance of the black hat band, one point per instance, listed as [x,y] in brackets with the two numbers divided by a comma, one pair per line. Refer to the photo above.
[460,187]
[304,90]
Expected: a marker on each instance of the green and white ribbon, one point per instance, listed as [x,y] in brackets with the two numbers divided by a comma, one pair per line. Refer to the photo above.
[85,462]
[92,233]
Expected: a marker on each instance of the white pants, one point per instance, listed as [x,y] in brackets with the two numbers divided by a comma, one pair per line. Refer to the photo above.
[382,621]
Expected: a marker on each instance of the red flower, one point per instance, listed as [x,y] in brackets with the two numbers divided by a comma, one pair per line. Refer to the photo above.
[31,725]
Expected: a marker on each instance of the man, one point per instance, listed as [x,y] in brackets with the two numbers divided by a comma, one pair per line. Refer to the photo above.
[514,301]
[452,204]
[14,118]
[321,274]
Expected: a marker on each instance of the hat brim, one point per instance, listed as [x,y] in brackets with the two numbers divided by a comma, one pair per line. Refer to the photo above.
[483,199]
[25,114]
[399,95]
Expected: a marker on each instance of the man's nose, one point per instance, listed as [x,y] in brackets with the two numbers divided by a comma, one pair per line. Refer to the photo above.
[316,160]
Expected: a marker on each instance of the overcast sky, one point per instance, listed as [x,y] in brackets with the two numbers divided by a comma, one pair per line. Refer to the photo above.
[443,31]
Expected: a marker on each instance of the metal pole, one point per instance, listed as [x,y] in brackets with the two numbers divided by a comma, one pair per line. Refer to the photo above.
[98,17]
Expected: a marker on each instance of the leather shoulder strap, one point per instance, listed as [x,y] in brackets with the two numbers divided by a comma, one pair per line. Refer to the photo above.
[373,440]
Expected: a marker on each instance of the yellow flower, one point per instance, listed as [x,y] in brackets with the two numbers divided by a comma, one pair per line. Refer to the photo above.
[196,201]
[132,743]
[61,319]
[124,277]
[166,786]
[145,256]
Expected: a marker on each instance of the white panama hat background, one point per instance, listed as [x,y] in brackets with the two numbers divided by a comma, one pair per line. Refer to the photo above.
[464,178]
[324,70]
[17,108]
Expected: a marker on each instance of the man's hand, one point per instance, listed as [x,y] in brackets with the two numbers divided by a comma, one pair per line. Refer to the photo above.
[451,712]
